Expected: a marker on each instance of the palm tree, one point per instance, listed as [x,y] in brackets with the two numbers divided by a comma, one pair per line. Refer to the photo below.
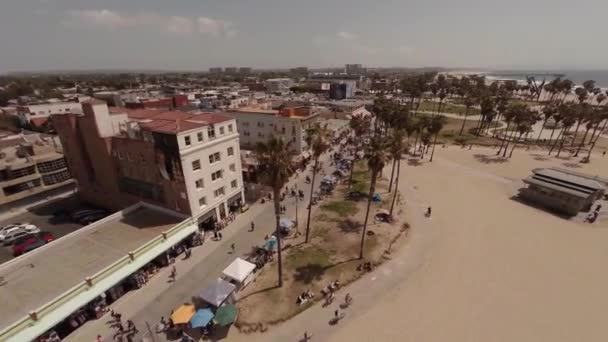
[509,115]
[469,101]
[602,116]
[275,168]
[317,138]
[397,146]
[435,126]
[524,120]
[360,126]
[376,159]
[589,117]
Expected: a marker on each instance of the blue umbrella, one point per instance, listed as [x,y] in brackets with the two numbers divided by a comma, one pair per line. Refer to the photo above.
[201,318]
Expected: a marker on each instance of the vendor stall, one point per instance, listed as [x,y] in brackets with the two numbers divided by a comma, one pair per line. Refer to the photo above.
[225,315]
[201,318]
[218,292]
[183,314]
[239,272]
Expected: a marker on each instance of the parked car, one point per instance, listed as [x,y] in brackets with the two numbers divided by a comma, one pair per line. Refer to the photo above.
[78,215]
[30,243]
[46,236]
[27,226]
[92,218]
[15,233]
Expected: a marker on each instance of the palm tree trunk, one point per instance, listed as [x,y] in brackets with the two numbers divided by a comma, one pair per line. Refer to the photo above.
[502,144]
[594,131]
[352,167]
[277,216]
[515,145]
[372,188]
[466,113]
[312,189]
[552,132]
[396,186]
[542,128]
[582,143]
[390,184]
[416,142]
[590,149]
[561,142]
[434,144]
[504,153]
[578,123]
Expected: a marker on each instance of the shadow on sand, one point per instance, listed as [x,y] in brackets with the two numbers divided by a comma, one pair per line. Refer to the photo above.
[349,226]
[538,206]
[308,273]
[490,159]
[414,162]
[572,165]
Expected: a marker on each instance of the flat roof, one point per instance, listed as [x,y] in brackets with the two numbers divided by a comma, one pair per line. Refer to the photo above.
[171,121]
[34,279]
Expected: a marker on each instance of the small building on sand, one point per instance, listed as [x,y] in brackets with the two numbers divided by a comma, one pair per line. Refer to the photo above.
[563,190]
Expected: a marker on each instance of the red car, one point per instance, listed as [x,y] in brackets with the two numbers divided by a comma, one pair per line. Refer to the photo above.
[31,242]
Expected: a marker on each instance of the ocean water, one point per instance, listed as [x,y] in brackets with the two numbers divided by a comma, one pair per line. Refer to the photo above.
[577,76]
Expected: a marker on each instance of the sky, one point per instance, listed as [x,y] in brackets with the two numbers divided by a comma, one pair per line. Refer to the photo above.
[37,35]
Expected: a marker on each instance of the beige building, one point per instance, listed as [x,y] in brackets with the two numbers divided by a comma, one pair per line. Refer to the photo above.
[30,164]
[258,125]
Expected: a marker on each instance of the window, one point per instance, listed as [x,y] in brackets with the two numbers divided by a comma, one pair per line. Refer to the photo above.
[199,183]
[214,158]
[222,130]
[232,167]
[216,175]
[219,192]
[230,151]
[260,134]
[283,130]
[202,201]
[260,124]
[234,184]
[187,140]
[199,135]
[196,165]
[230,128]
[211,132]
[120,155]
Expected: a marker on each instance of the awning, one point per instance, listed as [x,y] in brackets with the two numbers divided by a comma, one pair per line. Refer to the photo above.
[382,212]
[271,244]
[201,318]
[183,314]
[286,223]
[225,315]
[239,270]
[216,293]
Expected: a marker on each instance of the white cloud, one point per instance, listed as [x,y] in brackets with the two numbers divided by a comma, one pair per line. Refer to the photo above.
[180,25]
[215,27]
[346,35]
[108,19]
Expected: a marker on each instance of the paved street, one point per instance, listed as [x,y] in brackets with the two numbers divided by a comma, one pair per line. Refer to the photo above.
[159,297]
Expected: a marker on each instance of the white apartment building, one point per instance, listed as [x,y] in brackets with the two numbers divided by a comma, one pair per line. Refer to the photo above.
[258,125]
[43,110]
[278,85]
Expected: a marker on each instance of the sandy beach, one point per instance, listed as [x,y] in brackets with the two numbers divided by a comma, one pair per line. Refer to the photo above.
[497,269]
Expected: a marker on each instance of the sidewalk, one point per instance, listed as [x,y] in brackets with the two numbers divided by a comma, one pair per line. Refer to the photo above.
[159,297]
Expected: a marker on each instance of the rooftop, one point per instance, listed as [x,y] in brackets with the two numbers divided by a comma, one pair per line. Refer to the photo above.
[22,148]
[565,182]
[170,122]
[34,279]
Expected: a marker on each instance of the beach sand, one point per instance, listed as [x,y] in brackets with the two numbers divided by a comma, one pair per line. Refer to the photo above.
[497,270]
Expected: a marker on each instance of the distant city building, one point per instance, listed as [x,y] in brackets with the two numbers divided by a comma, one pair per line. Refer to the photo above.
[300,71]
[231,70]
[184,162]
[278,85]
[175,101]
[341,91]
[112,98]
[354,69]
[244,70]
[30,164]
[216,70]
[289,122]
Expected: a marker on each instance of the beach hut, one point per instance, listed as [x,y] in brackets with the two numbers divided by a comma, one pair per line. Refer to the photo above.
[217,292]
[240,272]
[183,314]
[201,318]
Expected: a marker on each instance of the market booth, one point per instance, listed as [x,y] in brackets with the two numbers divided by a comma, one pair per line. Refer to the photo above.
[218,292]
[239,272]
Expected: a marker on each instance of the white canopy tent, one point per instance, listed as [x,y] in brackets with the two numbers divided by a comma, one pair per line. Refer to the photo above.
[217,292]
[239,270]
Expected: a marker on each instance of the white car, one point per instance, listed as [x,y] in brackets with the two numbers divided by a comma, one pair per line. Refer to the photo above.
[27,226]
[10,234]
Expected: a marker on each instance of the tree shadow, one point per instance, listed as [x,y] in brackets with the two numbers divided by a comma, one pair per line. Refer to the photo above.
[311,272]
[260,291]
[572,165]
[486,159]
[349,226]
[540,157]
[414,162]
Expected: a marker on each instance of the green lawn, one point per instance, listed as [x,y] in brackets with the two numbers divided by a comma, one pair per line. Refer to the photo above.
[342,208]
[361,177]
[430,106]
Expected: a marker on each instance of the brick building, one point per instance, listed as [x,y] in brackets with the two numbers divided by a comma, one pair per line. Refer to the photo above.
[185,162]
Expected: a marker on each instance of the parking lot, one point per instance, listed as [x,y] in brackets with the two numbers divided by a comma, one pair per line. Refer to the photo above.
[42,216]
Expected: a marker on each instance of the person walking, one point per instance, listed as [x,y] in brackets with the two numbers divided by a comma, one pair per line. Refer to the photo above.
[428,212]
[173,274]
[131,326]
[233,248]
[99,338]
[252,226]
